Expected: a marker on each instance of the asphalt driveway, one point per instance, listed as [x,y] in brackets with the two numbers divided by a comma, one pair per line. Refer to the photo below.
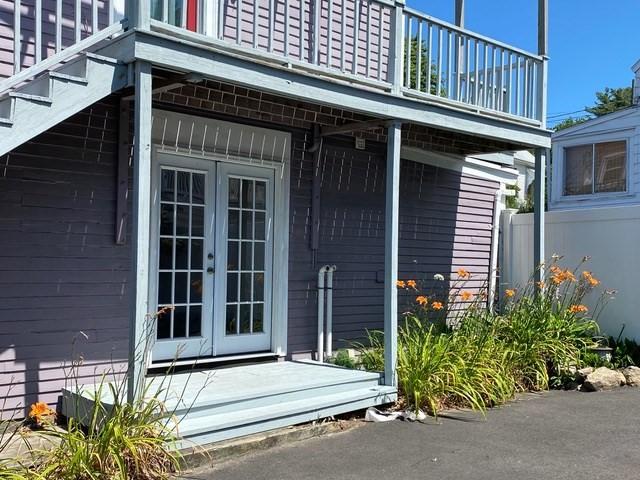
[556,435]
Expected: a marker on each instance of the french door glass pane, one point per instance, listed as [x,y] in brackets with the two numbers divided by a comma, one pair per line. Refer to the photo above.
[181,253]
[246,215]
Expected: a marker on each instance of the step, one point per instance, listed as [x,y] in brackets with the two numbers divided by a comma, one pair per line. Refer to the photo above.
[217,427]
[203,408]
[32,98]
[68,78]
[75,68]
[6,111]
[246,383]
[37,90]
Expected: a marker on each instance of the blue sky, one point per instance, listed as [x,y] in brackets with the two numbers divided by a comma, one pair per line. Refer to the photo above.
[592,43]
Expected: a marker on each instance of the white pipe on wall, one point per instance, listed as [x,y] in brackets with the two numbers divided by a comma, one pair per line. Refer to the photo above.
[329,343]
[325,298]
[321,275]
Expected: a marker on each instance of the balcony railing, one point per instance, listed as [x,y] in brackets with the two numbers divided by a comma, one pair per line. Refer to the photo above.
[380,43]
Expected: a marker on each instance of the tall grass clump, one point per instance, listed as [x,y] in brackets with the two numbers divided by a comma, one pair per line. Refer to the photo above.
[547,327]
[454,350]
[108,437]
[115,439]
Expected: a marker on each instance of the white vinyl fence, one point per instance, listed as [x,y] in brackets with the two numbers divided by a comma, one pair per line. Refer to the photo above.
[611,236]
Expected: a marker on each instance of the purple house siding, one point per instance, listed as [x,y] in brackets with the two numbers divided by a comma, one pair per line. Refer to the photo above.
[445,224]
[60,270]
[371,35]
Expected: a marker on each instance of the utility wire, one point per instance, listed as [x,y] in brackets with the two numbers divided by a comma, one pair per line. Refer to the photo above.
[564,114]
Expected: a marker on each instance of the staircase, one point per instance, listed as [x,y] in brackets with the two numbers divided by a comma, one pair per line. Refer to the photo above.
[41,97]
[211,406]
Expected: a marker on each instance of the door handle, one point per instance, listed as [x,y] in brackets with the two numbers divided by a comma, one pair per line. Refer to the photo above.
[210,270]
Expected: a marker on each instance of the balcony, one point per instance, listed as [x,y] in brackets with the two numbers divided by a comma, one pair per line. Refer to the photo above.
[373,44]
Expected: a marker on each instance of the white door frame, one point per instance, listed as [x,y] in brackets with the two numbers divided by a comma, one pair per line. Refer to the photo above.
[280,263]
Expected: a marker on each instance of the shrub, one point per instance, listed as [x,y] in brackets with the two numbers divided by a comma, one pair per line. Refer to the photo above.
[343,359]
[438,369]
[453,350]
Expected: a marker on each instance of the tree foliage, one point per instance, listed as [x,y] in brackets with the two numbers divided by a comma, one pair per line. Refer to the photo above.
[421,49]
[611,100]
[607,101]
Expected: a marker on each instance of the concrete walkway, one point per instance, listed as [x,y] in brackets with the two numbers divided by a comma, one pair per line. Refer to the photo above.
[556,435]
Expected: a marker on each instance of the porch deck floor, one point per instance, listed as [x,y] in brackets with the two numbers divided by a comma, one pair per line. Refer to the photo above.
[223,403]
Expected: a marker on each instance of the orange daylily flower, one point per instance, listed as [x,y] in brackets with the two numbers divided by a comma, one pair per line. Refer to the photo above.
[578,309]
[401,284]
[422,300]
[591,280]
[509,292]
[39,411]
[555,269]
[563,275]
[412,284]
[437,305]
[462,273]
[466,296]
[540,284]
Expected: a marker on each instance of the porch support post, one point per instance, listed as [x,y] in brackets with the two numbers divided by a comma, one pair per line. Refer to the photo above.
[392,209]
[459,13]
[139,330]
[538,215]
[543,51]
[138,14]
[396,48]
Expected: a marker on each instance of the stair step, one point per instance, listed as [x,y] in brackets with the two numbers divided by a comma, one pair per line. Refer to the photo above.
[217,427]
[6,111]
[247,383]
[69,78]
[101,58]
[202,407]
[32,98]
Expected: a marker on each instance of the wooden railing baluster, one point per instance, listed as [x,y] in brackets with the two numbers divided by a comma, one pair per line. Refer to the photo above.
[78,20]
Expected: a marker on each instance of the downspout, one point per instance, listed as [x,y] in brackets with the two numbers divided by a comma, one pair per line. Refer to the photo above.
[315,150]
[498,207]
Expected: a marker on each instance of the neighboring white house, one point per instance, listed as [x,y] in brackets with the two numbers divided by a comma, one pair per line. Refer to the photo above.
[594,203]
[597,163]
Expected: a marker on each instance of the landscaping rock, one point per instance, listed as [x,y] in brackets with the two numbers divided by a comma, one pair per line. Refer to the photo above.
[632,376]
[582,374]
[603,378]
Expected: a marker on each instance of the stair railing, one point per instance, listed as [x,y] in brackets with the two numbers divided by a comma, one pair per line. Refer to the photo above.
[44,28]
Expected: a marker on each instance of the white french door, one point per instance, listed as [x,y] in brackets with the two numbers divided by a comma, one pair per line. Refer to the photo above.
[242,322]
[211,257]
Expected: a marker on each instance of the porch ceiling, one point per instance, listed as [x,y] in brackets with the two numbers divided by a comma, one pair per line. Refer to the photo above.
[185,56]
[226,100]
